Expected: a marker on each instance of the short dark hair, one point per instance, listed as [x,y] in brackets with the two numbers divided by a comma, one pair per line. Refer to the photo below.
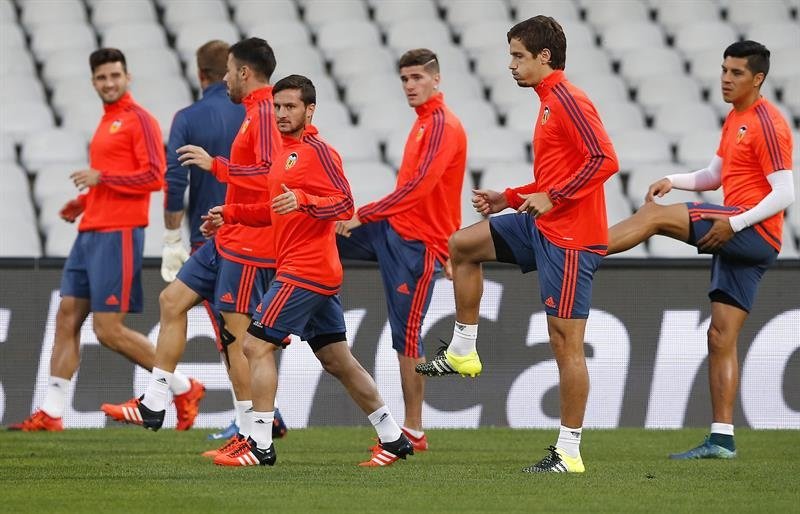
[212,59]
[308,93]
[419,57]
[756,54]
[255,53]
[542,32]
[105,56]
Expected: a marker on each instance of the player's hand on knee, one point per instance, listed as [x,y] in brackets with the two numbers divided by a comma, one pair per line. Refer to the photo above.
[720,233]
[659,189]
[173,255]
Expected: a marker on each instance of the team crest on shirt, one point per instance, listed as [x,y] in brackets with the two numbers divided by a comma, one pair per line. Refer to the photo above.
[115,126]
[545,115]
[245,124]
[420,132]
[741,133]
[291,160]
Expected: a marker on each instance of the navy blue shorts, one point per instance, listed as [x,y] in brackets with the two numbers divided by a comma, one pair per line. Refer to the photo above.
[565,276]
[229,286]
[737,267]
[288,309]
[407,269]
[106,268]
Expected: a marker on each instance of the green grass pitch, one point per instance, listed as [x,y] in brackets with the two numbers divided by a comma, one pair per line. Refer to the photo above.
[126,469]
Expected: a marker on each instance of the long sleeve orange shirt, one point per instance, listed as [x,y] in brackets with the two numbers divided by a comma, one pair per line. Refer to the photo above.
[573,157]
[426,203]
[128,151]
[305,239]
[252,154]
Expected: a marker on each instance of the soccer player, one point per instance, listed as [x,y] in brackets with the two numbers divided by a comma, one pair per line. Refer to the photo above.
[235,268]
[211,123]
[102,274]
[559,229]
[406,232]
[309,193]
[753,166]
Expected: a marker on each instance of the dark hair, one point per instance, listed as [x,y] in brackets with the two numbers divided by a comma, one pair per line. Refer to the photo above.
[212,59]
[105,56]
[308,93]
[419,57]
[255,53]
[756,54]
[542,32]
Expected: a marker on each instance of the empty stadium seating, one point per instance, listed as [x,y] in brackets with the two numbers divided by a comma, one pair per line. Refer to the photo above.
[651,67]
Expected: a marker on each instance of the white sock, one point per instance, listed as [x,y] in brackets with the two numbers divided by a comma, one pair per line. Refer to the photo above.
[244,412]
[56,398]
[416,433]
[722,428]
[180,383]
[569,440]
[155,398]
[262,429]
[236,418]
[387,428]
[464,339]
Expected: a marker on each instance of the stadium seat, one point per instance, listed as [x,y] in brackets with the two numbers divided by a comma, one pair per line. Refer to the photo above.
[791,95]
[20,237]
[178,15]
[469,216]
[152,63]
[461,15]
[602,88]
[46,147]
[65,64]
[495,145]
[350,63]
[403,36]
[78,37]
[789,248]
[452,59]
[15,181]
[11,35]
[82,117]
[461,86]
[673,14]
[8,150]
[641,147]
[369,181]
[619,116]
[25,117]
[659,90]
[508,96]
[191,35]
[52,181]
[15,61]
[320,12]
[558,9]
[353,144]
[326,88]
[20,89]
[784,65]
[280,32]
[696,148]
[523,117]
[330,116]
[675,120]
[298,59]
[385,117]
[250,13]
[617,204]
[776,35]
[668,248]
[374,88]
[52,12]
[134,35]
[589,60]
[74,91]
[108,14]
[643,174]
[579,35]
[59,242]
[491,63]
[389,13]
[484,34]
[338,35]
[743,13]
[498,177]
[168,89]
[610,12]
[7,11]
[705,67]
[618,38]
[638,63]
[475,115]
[704,35]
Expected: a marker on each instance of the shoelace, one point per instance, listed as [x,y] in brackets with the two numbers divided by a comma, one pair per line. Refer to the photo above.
[240,449]
[550,459]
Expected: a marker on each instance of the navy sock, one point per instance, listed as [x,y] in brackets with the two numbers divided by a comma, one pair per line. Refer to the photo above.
[726,441]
